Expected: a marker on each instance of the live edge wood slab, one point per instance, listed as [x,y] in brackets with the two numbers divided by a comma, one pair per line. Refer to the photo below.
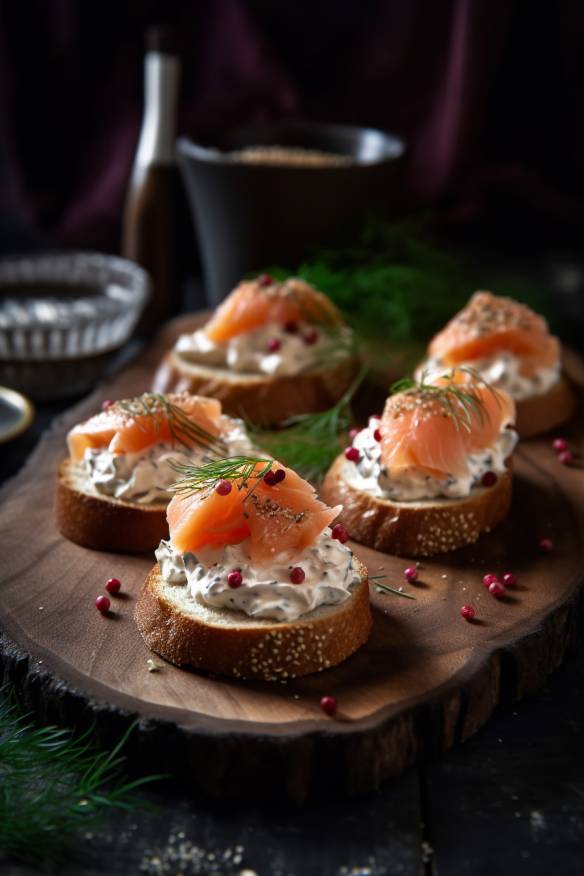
[426,680]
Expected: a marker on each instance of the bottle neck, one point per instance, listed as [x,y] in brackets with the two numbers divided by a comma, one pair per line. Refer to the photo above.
[161,77]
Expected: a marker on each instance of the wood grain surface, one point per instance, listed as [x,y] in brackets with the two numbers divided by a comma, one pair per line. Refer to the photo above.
[425,680]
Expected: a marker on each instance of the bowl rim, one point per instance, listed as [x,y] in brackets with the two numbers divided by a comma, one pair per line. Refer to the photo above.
[50,253]
[134,280]
[188,148]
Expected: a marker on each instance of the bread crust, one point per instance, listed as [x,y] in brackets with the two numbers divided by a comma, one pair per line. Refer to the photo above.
[248,648]
[547,411]
[261,399]
[416,529]
[103,523]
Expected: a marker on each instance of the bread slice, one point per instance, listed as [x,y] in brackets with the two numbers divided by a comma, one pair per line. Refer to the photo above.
[261,399]
[416,529]
[102,522]
[186,631]
[546,411]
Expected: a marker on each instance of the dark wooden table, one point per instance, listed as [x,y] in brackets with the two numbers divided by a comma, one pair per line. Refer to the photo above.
[510,801]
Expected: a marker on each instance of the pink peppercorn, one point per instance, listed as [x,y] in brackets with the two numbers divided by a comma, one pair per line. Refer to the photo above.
[297,575]
[328,705]
[468,612]
[102,604]
[352,454]
[340,533]
[234,579]
[566,457]
[223,488]
[497,589]
[113,585]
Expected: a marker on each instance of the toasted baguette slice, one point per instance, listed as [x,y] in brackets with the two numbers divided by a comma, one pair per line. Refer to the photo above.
[185,631]
[544,412]
[101,522]
[416,529]
[260,398]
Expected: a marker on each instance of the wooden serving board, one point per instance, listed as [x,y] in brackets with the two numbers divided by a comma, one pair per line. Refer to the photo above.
[425,680]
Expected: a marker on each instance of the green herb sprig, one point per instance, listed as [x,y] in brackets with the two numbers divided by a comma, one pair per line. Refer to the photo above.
[200,478]
[385,588]
[460,402]
[54,785]
[183,430]
[395,285]
[309,443]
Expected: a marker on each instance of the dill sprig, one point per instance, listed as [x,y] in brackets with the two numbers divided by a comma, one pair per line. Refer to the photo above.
[54,785]
[309,443]
[199,478]
[460,402]
[380,586]
[183,430]
[396,284]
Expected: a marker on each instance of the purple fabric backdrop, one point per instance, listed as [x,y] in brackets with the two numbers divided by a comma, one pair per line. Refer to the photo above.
[485,92]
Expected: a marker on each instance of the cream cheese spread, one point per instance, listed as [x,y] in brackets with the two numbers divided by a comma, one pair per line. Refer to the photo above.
[270,349]
[370,476]
[145,477]
[502,371]
[266,591]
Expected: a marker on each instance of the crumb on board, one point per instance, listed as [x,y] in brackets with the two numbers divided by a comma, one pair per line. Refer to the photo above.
[153,665]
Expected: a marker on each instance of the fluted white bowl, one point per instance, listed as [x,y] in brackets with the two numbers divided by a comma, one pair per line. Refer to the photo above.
[63,316]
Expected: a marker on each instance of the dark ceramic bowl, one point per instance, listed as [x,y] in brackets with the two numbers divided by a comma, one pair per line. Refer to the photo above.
[251,214]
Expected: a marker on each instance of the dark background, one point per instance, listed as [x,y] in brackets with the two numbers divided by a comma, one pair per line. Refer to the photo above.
[486,93]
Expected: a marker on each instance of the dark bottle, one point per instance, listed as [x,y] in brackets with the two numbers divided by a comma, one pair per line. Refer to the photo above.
[150,229]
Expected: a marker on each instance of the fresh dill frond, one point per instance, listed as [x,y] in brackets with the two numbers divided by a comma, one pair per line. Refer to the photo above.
[54,784]
[395,285]
[199,478]
[404,384]
[459,401]
[183,430]
[380,586]
[309,443]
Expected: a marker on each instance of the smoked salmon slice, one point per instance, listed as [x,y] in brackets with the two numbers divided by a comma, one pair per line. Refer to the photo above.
[434,430]
[133,425]
[254,303]
[491,324]
[274,517]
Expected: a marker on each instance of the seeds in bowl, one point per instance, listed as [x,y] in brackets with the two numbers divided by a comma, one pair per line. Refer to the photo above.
[291,156]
